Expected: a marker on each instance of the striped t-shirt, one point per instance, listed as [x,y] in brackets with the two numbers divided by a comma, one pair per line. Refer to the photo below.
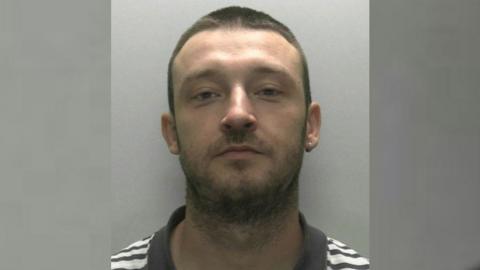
[319,252]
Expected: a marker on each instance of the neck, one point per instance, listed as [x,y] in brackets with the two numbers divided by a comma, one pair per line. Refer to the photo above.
[205,242]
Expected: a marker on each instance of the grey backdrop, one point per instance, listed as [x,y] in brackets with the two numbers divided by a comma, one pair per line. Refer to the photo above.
[425,134]
[54,135]
[147,183]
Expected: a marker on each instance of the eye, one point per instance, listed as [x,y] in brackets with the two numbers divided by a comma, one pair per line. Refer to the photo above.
[205,96]
[268,92]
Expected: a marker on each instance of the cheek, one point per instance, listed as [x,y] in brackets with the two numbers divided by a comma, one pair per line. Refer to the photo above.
[285,137]
[283,123]
[195,136]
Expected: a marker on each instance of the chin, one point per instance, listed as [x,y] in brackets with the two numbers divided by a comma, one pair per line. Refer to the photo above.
[238,184]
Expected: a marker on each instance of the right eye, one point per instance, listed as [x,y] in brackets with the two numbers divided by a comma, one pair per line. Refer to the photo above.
[205,96]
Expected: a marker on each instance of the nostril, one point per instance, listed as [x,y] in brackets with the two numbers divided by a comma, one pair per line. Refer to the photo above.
[238,120]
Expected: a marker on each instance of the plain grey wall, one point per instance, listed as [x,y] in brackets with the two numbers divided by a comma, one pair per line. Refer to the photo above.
[55,134]
[425,135]
[147,182]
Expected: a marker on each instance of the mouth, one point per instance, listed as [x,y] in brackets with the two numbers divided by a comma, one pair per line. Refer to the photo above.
[239,152]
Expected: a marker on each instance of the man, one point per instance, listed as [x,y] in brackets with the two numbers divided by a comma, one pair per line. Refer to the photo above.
[240,118]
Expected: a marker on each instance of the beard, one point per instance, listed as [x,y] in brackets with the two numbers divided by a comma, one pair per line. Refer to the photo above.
[237,198]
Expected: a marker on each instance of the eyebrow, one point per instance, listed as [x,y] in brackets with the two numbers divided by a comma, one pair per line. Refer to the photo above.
[261,69]
[201,74]
[271,70]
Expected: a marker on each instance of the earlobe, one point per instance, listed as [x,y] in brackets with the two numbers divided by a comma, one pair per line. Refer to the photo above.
[169,132]
[312,134]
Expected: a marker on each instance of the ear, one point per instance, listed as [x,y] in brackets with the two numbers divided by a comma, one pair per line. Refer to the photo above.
[169,132]
[312,133]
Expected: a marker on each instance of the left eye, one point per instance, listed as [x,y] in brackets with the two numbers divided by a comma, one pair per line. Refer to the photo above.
[268,92]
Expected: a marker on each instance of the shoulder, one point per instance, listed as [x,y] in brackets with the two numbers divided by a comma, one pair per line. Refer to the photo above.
[133,256]
[340,256]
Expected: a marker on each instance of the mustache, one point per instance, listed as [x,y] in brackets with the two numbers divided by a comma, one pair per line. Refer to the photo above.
[236,138]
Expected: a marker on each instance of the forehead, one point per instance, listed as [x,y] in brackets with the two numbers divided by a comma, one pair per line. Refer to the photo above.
[236,49]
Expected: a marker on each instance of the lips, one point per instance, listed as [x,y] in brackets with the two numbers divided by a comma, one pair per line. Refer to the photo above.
[240,149]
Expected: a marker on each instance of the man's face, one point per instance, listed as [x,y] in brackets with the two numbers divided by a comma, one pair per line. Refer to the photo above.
[240,117]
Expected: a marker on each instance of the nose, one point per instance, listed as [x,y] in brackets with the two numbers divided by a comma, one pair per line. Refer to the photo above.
[239,116]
